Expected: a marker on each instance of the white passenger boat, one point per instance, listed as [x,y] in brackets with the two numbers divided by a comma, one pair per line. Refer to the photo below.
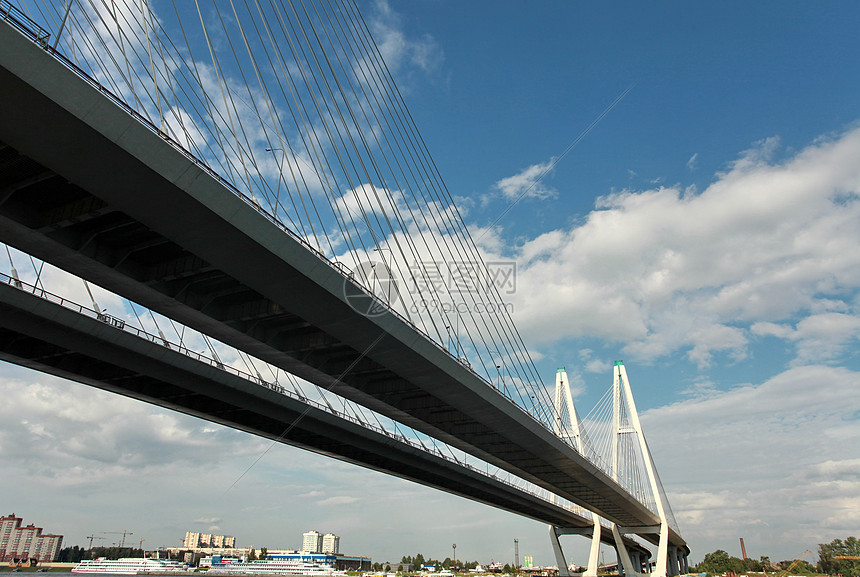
[274,566]
[129,566]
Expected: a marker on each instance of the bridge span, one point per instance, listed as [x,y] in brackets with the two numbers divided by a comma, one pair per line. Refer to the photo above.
[90,186]
[44,332]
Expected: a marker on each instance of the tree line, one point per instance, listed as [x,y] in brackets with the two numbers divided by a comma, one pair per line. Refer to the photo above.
[77,554]
[829,562]
[418,560]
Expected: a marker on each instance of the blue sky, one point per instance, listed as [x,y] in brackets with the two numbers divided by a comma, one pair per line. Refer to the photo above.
[706,230]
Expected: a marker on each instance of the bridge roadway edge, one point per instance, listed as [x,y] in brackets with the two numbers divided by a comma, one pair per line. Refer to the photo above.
[137,194]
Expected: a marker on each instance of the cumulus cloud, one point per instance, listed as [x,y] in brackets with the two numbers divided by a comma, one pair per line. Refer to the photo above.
[667,269]
[821,337]
[777,461]
[366,202]
[65,436]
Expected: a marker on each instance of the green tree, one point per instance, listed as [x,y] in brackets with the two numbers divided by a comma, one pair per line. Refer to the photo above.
[264,552]
[828,563]
[720,562]
[71,554]
[252,555]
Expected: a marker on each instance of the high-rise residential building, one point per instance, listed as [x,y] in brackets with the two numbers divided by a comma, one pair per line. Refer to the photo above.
[7,525]
[331,544]
[17,542]
[192,540]
[208,541]
[47,547]
[312,542]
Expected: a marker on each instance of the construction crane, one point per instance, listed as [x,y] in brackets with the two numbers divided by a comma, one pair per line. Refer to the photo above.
[846,556]
[123,533]
[91,537]
[795,563]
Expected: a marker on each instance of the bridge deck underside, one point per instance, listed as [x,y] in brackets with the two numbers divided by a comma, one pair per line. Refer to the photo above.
[48,337]
[91,189]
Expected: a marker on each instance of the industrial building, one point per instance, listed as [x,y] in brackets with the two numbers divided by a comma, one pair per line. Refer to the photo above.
[339,562]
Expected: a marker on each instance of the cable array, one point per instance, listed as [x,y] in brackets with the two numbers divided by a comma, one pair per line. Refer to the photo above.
[293,105]
[613,445]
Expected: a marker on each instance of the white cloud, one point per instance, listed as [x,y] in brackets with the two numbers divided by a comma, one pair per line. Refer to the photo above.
[664,269]
[691,163]
[397,48]
[821,337]
[777,462]
[340,500]
[528,183]
[367,202]
[66,435]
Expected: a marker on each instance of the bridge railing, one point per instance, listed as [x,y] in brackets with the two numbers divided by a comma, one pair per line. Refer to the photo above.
[12,14]
[122,325]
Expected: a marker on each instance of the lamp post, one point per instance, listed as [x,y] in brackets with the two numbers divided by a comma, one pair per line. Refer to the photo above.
[280,174]
[454,562]
[388,272]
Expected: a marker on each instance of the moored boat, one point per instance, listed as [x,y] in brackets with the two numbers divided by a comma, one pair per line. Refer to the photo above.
[274,566]
[129,566]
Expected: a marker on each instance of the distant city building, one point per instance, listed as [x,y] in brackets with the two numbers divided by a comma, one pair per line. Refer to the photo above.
[208,541]
[192,540]
[312,542]
[223,542]
[24,543]
[331,543]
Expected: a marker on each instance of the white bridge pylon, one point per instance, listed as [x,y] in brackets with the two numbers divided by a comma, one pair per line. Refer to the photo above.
[628,454]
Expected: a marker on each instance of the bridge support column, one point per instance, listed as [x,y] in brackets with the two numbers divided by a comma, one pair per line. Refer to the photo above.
[636,560]
[633,562]
[625,565]
[593,556]
[559,554]
[676,562]
[591,570]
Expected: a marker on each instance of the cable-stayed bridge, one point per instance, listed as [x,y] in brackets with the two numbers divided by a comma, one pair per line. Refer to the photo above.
[275,196]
